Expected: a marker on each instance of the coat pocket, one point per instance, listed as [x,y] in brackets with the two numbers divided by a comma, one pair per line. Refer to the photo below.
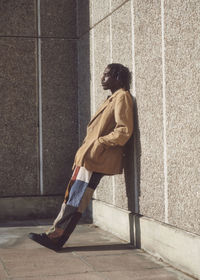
[96,150]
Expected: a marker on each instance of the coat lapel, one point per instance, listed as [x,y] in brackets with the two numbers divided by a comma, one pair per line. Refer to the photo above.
[105,104]
[99,111]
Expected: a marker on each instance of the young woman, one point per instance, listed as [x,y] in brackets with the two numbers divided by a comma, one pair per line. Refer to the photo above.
[101,153]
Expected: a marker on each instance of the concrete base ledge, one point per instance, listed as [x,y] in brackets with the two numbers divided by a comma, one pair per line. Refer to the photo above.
[34,207]
[177,247]
[111,218]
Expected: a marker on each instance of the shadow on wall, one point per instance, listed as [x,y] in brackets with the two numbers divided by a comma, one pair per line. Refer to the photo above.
[132,178]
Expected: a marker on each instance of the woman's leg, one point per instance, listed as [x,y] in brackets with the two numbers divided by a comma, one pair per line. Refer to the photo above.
[77,197]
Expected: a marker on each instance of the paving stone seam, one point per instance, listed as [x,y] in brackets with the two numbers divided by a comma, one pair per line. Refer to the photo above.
[122,254]
[48,275]
[89,265]
[52,275]
[161,265]
[105,255]
[82,260]
[173,269]
[146,256]
[168,266]
[4,267]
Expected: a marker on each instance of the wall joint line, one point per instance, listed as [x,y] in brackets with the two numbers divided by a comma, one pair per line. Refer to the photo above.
[78,92]
[110,21]
[136,195]
[164,114]
[40,98]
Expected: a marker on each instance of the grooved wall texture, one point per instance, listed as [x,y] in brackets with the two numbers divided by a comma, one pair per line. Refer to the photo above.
[19,106]
[148,81]
[166,78]
[182,25]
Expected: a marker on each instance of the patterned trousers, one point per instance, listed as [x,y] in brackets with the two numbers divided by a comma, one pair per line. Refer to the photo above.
[77,197]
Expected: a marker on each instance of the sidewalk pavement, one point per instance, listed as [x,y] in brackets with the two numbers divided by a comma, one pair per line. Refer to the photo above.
[89,254]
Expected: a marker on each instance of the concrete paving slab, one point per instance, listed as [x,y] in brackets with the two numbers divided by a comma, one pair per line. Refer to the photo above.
[89,254]
[127,262]
[3,273]
[37,263]
[155,274]
[85,276]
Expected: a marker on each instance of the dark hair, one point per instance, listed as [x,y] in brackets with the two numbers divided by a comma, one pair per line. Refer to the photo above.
[121,73]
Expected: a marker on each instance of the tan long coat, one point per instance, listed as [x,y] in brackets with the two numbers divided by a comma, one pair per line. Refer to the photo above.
[107,133]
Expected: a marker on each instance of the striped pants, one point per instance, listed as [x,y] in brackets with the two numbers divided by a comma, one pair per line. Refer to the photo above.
[77,197]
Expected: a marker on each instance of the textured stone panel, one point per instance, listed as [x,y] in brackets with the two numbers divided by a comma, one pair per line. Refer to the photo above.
[11,207]
[100,9]
[18,118]
[84,84]
[101,60]
[182,26]
[122,53]
[104,191]
[59,95]
[116,3]
[92,73]
[17,18]
[120,191]
[122,36]
[124,183]
[148,64]
[58,18]
[84,16]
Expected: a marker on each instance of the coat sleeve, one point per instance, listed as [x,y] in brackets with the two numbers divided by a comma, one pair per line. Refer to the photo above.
[123,130]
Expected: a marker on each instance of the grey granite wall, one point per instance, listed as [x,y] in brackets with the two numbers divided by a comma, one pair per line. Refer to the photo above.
[38,57]
[158,41]
[149,96]
[44,53]
[182,26]
[18,107]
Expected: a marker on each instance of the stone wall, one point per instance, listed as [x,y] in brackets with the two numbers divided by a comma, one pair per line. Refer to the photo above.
[46,59]
[38,108]
[159,42]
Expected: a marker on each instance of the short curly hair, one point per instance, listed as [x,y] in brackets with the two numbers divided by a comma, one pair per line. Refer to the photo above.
[121,73]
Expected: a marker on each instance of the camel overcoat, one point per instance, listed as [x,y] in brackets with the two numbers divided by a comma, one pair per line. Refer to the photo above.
[107,133]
